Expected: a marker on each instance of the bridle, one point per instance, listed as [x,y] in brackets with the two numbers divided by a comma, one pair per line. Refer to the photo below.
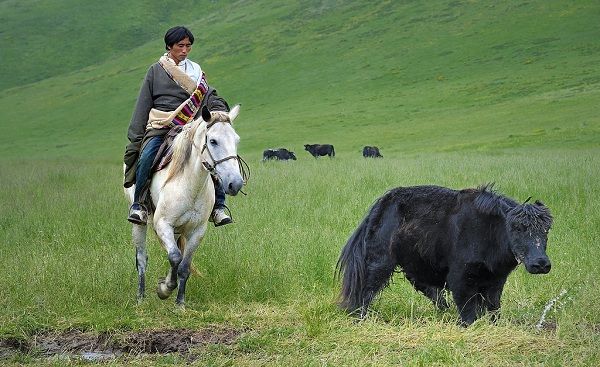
[212,167]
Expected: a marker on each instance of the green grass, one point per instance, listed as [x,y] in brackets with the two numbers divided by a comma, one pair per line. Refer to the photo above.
[454,93]
[272,272]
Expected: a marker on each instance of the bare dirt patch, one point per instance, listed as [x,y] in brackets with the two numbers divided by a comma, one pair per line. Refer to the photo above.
[103,346]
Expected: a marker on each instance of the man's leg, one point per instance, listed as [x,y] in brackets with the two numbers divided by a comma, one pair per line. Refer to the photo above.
[219,217]
[137,212]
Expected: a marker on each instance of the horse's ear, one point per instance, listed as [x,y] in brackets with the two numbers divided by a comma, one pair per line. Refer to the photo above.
[206,115]
[234,112]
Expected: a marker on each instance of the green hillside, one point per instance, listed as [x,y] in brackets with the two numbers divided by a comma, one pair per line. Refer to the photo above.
[408,76]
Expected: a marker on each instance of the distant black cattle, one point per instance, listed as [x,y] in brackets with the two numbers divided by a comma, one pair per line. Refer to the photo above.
[280,154]
[372,152]
[318,150]
[464,241]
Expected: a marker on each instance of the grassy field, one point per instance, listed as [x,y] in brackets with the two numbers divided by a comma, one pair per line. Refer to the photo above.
[271,274]
[454,93]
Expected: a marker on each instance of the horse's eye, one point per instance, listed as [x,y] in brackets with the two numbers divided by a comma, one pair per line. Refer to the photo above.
[213,142]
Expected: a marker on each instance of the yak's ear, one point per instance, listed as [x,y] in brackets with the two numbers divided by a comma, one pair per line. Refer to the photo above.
[539,203]
[235,111]
[206,115]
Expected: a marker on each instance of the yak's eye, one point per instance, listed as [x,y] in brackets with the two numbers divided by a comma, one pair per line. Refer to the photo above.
[518,227]
[213,142]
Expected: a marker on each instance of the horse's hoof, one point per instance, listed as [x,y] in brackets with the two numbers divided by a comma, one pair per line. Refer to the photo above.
[163,291]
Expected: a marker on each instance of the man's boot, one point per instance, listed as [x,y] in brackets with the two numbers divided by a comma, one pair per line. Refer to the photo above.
[219,217]
[138,214]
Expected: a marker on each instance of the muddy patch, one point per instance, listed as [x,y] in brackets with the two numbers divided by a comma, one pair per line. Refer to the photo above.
[106,346]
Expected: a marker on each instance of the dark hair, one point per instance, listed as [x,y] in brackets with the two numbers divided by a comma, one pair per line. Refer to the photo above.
[176,34]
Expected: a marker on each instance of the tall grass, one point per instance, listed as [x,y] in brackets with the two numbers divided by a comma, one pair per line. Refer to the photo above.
[65,240]
[68,261]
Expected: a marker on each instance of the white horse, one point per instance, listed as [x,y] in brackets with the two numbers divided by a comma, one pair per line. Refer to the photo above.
[183,194]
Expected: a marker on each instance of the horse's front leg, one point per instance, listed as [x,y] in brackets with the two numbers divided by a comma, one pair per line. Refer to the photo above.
[165,233]
[183,273]
[138,234]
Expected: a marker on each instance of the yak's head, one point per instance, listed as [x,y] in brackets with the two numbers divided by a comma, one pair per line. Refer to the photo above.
[527,226]
[292,155]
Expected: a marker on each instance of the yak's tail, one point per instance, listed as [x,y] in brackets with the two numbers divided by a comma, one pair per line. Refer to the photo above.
[352,263]
[332,151]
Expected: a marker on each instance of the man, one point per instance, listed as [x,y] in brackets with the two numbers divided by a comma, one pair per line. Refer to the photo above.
[170,84]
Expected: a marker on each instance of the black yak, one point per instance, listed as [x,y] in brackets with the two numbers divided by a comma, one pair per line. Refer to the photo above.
[465,241]
[280,154]
[371,152]
[318,150]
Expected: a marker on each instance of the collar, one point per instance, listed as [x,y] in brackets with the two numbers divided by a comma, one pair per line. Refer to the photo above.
[183,64]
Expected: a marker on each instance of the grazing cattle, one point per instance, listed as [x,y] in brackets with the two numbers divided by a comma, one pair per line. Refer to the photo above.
[372,152]
[318,150]
[465,241]
[280,154]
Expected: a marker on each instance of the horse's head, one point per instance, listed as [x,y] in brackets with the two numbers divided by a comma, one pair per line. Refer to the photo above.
[221,148]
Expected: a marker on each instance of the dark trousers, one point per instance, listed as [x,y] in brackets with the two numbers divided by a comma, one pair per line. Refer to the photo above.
[144,168]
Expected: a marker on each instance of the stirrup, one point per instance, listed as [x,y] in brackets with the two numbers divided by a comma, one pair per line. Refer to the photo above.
[138,216]
[219,217]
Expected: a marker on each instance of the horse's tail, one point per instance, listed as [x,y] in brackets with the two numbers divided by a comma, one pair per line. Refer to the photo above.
[352,263]
[181,246]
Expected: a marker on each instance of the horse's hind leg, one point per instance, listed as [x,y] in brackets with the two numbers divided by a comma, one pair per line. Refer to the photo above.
[138,233]
[183,272]
[166,235]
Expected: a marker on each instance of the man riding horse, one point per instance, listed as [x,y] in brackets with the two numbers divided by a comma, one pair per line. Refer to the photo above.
[173,90]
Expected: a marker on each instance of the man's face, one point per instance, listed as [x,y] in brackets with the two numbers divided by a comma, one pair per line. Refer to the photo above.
[179,51]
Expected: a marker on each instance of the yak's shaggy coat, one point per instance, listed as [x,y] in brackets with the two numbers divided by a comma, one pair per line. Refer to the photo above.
[464,241]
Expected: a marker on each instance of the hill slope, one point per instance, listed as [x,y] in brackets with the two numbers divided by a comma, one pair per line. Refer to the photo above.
[408,77]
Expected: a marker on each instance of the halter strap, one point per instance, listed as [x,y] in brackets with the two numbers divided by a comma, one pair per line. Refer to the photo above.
[211,168]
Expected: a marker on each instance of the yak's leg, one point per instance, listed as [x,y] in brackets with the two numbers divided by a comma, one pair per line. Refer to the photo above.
[492,300]
[377,277]
[138,233]
[183,272]
[166,235]
[469,304]
[435,294]
[465,291]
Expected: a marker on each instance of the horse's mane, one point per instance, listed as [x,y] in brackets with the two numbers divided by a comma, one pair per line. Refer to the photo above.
[182,144]
[182,148]
[219,116]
